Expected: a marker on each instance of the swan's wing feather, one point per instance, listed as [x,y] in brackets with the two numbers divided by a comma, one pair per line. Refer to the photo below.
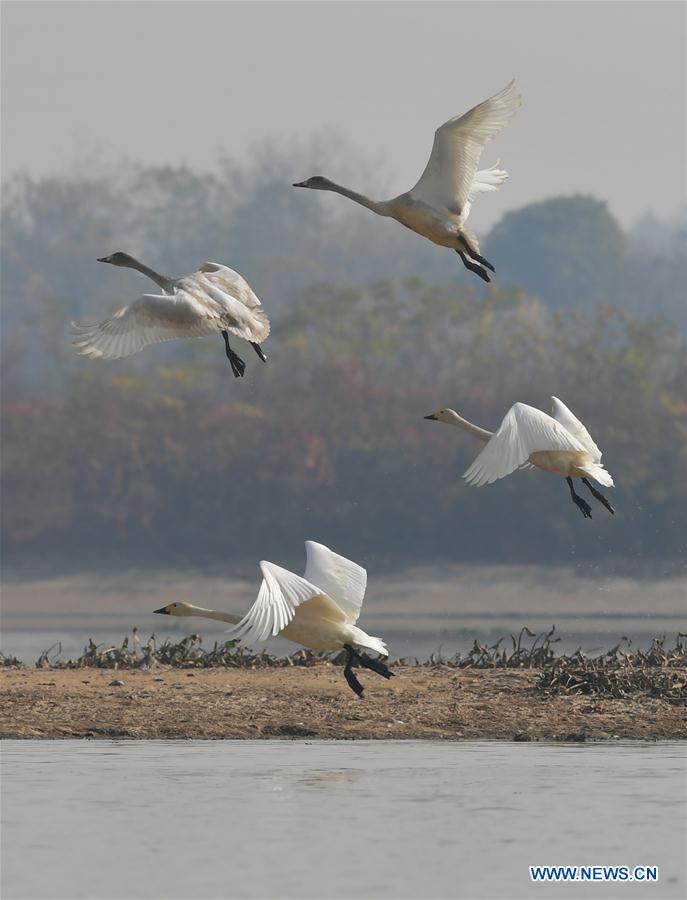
[229,281]
[149,320]
[450,173]
[571,423]
[340,578]
[233,293]
[524,430]
[280,595]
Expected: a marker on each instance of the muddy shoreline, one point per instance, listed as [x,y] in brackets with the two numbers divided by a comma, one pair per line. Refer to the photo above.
[418,703]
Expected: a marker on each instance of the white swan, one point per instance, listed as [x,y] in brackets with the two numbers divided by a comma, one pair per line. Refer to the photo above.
[213,300]
[527,436]
[318,611]
[439,204]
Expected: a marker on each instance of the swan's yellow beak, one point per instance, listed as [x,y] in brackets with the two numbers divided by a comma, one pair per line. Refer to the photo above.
[163,611]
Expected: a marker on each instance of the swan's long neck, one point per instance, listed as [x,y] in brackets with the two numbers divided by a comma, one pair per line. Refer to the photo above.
[452,418]
[162,280]
[202,613]
[381,207]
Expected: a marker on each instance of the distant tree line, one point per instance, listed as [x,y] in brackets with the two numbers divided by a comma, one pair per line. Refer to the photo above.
[569,252]
[167,459]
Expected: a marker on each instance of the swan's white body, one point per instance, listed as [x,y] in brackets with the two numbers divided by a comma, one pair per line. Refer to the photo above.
[438,206]
[209,301]
[318,611]
[558,443]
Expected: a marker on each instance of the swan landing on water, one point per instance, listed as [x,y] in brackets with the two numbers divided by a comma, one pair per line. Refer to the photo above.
[439,204]
[558,443]
[318,611]
[213,300]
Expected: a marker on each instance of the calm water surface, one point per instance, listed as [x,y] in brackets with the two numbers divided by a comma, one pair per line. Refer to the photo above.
[313,819]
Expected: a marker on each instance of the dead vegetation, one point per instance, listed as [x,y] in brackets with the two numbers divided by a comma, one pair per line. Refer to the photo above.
[188,653]
[10,662]
[659,672]
[521,654]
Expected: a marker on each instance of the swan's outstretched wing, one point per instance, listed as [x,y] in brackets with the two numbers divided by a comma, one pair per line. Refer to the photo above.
[571,423]
[447,181]
[232,290]
[151,319]
[340,578]
[280,595]
[524,430]
[230,282]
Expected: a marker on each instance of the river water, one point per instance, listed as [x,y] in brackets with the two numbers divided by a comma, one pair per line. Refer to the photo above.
[230,819]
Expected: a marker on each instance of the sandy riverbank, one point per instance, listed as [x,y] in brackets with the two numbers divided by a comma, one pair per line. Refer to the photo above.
[438,703]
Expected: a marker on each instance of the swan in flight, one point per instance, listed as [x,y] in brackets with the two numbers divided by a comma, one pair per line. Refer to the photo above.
[318,611]
[558,443]
[439,204]
[213,300]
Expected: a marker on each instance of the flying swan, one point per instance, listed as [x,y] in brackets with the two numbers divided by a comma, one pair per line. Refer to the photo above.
[439,204]
[318,611]
[558,443]
[213,300]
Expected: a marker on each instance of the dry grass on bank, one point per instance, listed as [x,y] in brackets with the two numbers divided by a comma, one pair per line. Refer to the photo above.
[518,692]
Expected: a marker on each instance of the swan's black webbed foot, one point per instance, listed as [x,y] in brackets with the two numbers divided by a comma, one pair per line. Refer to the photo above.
[585,508]
[473,267]
[258,349]
[375,664]
[238,366]
[482,261]
[356,657]
[474,255]
[349,674]
[599,496]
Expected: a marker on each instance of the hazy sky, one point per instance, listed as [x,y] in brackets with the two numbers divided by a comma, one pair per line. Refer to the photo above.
[172,82]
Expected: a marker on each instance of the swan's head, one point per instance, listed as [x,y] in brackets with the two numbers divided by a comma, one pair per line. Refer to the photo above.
[317,182]
[176,609]
[118,259]
[443,415]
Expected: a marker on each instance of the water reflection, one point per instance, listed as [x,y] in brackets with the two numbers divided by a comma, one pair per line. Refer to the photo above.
[324,779]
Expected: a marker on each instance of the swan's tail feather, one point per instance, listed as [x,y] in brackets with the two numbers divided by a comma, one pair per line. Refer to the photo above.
[360,639]
[487,180]
[261,325]
[254,328]
[599,474]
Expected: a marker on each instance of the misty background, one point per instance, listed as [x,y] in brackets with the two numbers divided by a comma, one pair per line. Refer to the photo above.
[174,131]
